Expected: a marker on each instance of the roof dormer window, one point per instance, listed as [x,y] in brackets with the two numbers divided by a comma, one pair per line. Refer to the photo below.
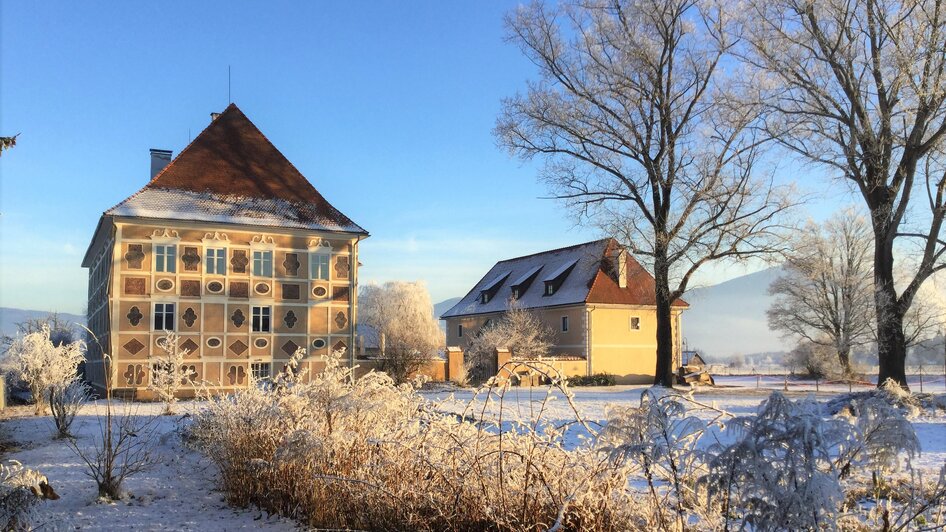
[554,280]
[520,285]
[489,289]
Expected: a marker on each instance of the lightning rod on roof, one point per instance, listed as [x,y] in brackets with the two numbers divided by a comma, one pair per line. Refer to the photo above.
[229,99]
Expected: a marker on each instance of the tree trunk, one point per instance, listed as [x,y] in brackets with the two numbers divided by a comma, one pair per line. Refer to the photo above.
[891,342]
[844,357]
[663,375]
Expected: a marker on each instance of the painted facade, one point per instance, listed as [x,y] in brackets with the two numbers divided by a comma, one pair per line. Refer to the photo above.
[601,315]
[245,272]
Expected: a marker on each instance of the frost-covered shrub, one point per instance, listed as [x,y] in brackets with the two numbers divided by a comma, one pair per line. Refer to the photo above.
[65,402]
[168,371]
[365,453]
[661,440]
[21,489]
[780,473]
[41,364]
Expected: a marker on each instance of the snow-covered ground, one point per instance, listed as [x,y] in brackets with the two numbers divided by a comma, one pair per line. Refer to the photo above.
[177,494]
[180,493]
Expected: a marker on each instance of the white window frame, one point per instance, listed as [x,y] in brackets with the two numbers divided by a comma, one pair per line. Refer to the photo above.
[215,261]
[256,318]
[321,266]
[262,263]
[164,316]
[163,252]
[256,370]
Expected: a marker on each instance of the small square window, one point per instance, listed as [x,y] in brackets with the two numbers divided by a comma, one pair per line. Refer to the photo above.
[263,263]
[165,258]
[216,261]
[320,264]
[260,370]
[635,323]
[261,318]
[164,316]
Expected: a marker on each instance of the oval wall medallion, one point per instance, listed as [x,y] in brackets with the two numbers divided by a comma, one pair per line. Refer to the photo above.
[213,341]
[319,291]
[165,285]
[318,343]
[261,288]
[261,342]
[215,287]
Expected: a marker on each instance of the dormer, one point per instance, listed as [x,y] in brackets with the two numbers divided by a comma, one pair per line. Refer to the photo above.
[520,285]
[554,280]
[489,290]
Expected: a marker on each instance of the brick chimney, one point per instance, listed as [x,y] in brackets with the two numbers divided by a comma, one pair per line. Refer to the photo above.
[159,159]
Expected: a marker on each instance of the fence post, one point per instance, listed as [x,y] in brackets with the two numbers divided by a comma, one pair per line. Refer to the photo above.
[921,378]
[454,363]
[502,356]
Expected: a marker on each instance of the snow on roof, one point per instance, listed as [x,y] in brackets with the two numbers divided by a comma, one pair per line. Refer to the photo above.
[178,204]
[492,284]
[559,271]
[232,173]
[526,276]
[585,258]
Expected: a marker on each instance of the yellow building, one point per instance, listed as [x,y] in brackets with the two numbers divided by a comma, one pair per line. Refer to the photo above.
[597,299]
[232,248]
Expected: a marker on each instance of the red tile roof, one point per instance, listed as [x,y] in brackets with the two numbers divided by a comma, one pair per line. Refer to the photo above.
[232,173]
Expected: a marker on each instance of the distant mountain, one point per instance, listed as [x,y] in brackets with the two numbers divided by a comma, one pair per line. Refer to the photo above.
[9,317]
[445,305]
[729,318]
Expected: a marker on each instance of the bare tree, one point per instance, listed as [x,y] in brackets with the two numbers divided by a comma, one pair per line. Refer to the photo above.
[61,331]
[519,330]
[402,316]
[825,294]
[639,125]
[859,87]
[124,446]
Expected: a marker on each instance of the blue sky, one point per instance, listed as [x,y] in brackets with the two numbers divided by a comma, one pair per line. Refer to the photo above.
[386,107]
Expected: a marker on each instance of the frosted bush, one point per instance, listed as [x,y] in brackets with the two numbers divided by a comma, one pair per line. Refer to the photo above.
[64,404]
[341,452]
[365,453]
[780,474]
[661,440]
[21,489]
[38,362]
[168,371]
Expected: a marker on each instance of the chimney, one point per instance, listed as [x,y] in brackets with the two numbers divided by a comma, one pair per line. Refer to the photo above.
[159,159]
[618,259]
[213,116]
[622,268]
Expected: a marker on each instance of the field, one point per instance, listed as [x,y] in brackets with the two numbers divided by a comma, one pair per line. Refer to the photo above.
[180,492]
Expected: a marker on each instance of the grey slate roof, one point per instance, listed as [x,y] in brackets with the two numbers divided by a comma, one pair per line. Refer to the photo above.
[574,290]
